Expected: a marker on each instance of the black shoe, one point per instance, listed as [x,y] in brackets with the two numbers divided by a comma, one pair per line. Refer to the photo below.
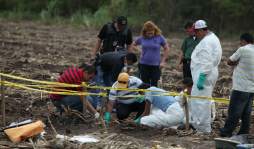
[223,133]
[182,127]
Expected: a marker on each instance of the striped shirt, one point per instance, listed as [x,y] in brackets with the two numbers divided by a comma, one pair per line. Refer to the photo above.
[71,75]
[134,83]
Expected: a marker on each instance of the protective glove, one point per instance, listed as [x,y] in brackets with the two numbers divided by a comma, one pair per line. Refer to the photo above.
[107,117]
[201,81]
[140,99]
[97,115]
[137,121]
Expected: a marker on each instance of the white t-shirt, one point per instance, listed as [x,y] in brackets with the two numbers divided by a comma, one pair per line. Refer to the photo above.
[243,76]
[133,83]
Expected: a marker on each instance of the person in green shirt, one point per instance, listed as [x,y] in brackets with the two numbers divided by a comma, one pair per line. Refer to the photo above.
[188,46]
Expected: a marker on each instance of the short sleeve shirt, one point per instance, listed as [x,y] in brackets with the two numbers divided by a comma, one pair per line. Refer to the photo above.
[133,83]
[188,46]
[161,102]
[243,76]
[151,49]
[111,38]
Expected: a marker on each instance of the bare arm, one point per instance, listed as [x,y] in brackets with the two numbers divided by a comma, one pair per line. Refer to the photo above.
[90,107]
[135,47]
[97,47]
[180,58]
[147,108]
[165,55]
[110,106]
[130,48]
[232,63]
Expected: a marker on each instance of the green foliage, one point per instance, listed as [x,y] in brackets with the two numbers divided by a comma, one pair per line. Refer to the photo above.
[169,15]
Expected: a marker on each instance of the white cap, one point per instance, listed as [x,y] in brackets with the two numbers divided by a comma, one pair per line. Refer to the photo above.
[200,24]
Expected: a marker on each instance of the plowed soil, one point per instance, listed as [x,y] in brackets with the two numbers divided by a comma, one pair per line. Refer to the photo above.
[41,51]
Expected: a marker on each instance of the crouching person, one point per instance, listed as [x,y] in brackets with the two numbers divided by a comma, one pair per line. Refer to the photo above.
[74,75]
[124,104]
[161,110]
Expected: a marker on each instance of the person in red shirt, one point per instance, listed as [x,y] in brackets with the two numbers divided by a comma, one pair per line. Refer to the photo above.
[74,75]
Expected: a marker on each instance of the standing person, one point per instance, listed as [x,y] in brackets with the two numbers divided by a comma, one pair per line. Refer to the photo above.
[242,94]
[124,105]
[205,60]
[151,41]
[112,63]
[74,75]
[188,46]
[113,36]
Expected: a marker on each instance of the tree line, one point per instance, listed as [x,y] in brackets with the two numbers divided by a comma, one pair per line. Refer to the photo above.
[170,15]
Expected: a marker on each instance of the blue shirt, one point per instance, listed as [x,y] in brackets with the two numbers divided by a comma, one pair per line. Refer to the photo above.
[161,102]
[150,54]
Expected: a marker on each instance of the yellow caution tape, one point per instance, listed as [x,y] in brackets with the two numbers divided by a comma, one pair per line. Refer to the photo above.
[47,87]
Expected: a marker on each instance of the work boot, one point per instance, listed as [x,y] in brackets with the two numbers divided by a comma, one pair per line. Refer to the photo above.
[224,133]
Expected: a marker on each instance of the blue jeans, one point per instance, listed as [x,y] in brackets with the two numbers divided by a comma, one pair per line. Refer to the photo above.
[99,77]
[94,100]
[107,78]
[240,107]
[74,102]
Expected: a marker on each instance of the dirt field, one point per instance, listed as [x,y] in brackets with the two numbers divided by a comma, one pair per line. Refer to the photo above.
[40,51]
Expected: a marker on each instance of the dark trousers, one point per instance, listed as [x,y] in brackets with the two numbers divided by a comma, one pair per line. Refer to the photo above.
[124,110]
[107,78]
[186,68]
[240,107]
[150,74]
[73,102]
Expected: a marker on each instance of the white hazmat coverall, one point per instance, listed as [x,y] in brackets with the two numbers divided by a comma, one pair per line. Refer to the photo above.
[205,59]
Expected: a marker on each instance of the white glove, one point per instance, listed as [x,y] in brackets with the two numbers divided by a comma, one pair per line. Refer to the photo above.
[97,115]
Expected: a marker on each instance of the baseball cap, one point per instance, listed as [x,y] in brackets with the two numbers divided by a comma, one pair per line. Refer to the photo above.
[121,20]
[122,80]
[200,24]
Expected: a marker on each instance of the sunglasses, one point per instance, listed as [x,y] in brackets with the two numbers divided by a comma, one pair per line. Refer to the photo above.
[122,82]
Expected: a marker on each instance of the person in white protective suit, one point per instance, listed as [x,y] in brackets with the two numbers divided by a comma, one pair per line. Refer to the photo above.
[205,60]
[163,110]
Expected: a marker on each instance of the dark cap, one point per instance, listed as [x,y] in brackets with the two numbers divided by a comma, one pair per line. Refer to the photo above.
[121,20]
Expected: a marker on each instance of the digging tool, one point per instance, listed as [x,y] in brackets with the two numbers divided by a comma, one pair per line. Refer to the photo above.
[187,126]
[17,124]
[83,98]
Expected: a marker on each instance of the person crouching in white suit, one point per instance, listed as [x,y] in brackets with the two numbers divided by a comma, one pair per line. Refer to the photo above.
[162,110]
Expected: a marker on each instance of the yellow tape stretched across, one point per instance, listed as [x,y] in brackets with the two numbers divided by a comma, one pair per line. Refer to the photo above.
[41,82]
[67,92]
[49,86]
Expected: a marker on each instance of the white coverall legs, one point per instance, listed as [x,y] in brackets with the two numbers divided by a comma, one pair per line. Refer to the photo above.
[205,59]
[157,118]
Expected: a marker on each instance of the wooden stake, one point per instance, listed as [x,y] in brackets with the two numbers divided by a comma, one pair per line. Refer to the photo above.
[83,98]
[31,141]
[3,101]
[186,107]
[52,127]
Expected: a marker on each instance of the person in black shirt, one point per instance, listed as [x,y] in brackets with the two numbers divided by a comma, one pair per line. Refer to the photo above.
[112,63]
[113,36]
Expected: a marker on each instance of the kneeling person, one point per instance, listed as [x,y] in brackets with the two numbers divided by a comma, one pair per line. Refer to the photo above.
[74,75]
[163,111]
[124,104]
